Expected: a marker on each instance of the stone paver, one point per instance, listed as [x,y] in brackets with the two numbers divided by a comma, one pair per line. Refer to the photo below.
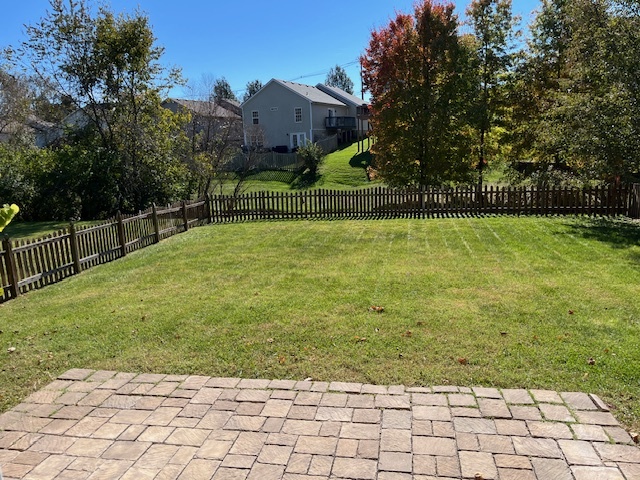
[91,424]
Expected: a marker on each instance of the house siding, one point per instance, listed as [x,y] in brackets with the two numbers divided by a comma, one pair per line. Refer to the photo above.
[276,106]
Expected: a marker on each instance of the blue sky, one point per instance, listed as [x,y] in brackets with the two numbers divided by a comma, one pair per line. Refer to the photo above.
[296,40]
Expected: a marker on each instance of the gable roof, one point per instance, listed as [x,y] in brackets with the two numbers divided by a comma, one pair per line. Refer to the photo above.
[206,109]
[308,92]
[341,95]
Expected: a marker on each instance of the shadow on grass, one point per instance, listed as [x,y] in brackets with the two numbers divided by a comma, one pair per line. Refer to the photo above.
[361,160]
[305,180]
[618,233]
[32,229]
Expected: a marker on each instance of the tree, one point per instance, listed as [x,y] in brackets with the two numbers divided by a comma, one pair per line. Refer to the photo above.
[337,77]
[419,74]
[222,90]
[603,95]
[127,147]
[541,74]
[577,99]
[493,29]
[252,88]
[216,136]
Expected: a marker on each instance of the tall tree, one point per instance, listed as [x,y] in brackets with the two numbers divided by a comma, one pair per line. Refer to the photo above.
[493,28]
[337,77]
[252,88]
[541,74]
[14,101]
[579,100]
[419,74]
[109,68]
[222,90]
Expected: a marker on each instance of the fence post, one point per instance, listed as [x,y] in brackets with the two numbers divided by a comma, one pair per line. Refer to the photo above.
[121,237]
[207,208]
[12,271]
[185,218]
[75,253]
[156,224]
[634,201]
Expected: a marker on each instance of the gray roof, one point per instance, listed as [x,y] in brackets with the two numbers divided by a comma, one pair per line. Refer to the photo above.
[314,94]
[206,109]
[340,94]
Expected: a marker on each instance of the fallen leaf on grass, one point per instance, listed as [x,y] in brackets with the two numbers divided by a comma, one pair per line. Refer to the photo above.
[282,359]
[503,334]
[591,361]
[269,340]
[570,312]
[360,339]
[407,334]
[11,349]
[462,361]
[376,308]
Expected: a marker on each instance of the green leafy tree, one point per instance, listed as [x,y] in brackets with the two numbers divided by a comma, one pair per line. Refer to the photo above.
[108,67]
[252,88]
[419,73]
[601,104]
[577,100]
[337,77]
[493,28]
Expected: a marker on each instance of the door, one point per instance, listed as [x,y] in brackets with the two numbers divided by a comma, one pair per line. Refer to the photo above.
[298,139]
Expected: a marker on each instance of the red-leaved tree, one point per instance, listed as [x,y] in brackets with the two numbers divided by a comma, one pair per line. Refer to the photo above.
[419,72]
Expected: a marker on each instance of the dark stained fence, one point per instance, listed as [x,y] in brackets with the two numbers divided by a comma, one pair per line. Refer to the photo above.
[31,264]
[383,202]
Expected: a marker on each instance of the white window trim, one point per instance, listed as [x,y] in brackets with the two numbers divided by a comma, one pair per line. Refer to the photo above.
[296,116]
[255,117]
[300,136]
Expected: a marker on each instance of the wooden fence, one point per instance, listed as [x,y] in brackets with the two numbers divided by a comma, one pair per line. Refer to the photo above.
[427,202]
[31,264]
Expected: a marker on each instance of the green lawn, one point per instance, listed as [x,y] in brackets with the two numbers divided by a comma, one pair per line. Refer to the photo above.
[342,169]
[524,302]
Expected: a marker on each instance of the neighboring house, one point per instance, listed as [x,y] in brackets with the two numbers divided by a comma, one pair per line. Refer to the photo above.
[358,108]
[207,118]
[284,115]
[43,133]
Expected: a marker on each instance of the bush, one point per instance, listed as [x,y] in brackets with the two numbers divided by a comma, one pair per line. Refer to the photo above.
[312,155]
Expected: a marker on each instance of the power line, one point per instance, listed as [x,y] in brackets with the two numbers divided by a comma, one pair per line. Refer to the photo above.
[324,72]
[308,75]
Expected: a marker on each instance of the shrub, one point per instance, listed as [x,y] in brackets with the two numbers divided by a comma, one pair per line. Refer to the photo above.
[312,155]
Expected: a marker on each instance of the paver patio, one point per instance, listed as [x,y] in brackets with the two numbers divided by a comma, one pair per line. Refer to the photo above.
[107,425]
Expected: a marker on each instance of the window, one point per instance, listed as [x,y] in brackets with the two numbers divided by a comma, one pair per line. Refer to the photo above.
[298,139]
[255,117]
[298,114]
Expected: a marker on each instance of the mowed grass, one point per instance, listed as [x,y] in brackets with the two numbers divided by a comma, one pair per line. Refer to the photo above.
[494,301]
[343,169]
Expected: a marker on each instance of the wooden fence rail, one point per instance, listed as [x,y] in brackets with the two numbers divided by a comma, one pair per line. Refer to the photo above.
[382,202]
[31,264]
